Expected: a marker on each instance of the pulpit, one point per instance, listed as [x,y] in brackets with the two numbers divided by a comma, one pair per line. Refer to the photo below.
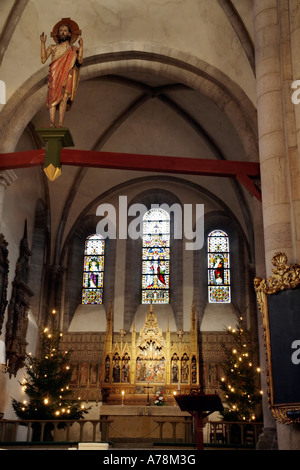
[200,406]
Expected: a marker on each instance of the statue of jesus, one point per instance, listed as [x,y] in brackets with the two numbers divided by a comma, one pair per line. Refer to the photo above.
[64,69]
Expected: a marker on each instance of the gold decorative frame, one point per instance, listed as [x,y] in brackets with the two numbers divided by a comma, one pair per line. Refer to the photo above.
[284,277]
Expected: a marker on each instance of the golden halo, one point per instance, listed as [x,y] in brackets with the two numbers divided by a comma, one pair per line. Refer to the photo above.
[75,31]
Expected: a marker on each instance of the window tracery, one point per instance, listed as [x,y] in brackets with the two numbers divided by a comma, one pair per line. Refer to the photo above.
[93,270]
[156,257]
[219,289]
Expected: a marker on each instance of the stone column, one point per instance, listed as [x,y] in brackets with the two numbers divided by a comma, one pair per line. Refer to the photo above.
[278,149]
[293,16]
[289,436]
[271,128]
[275,194]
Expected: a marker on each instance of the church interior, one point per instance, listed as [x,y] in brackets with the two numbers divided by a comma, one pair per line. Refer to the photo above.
[176,183]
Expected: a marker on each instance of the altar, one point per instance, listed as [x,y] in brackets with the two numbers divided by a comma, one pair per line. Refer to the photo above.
[146,424]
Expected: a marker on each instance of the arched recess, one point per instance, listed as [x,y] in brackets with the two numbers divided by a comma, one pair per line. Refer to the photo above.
[132,290]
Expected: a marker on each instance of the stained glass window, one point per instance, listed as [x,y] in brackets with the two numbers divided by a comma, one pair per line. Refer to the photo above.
[218,267]
[93,270]
[156,257]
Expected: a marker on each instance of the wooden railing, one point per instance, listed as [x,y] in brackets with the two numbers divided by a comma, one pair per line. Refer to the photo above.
[216,433]
[50,431]
[59,431]
[185,437]
[234,433]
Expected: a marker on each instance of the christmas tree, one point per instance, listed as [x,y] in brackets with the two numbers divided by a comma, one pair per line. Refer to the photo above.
[47,380]
[241,382]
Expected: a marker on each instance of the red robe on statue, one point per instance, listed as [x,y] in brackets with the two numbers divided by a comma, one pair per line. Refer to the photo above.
[63,78]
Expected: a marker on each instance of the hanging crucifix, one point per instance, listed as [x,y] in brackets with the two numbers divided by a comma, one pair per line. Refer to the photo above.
[63,78]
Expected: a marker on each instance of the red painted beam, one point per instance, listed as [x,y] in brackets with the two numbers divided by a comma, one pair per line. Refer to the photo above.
[245,172]
[10,161]
[127,161]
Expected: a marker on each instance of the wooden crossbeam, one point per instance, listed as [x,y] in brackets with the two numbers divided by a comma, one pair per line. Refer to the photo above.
[245,172]
[28,159]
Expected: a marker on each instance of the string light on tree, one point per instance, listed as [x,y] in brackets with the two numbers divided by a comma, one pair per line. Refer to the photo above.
[240,382]
[47,381]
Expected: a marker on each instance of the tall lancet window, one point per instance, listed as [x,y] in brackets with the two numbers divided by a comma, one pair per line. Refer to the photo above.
[93,270]
[218,267]
[156,257]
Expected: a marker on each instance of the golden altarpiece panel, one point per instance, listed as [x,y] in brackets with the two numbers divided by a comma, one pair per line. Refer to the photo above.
[149,361]
[278,299]
[139,363]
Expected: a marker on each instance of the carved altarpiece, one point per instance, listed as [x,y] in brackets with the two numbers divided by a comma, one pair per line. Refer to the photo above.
[107,363]
[17,321]
[150,360]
